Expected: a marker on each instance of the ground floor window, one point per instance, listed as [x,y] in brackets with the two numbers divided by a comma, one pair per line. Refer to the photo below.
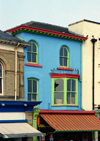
[32,89]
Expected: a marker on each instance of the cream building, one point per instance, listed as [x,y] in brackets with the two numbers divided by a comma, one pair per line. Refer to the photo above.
[89,29]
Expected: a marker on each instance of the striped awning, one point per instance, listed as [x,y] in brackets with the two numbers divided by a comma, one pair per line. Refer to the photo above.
[71,121]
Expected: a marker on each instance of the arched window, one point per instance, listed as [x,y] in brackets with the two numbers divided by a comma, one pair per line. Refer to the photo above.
[32,89]
[32,53]
[64,57]
[1,78]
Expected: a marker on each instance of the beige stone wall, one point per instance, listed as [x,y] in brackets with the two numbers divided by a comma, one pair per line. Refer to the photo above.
[91,29]
[29,117]
[7,58]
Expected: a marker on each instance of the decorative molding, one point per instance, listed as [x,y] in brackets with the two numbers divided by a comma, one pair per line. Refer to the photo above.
[35,30]
[64,68]
[36,113]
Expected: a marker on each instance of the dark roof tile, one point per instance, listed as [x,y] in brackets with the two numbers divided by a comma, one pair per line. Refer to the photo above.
[47,26]
[10,37]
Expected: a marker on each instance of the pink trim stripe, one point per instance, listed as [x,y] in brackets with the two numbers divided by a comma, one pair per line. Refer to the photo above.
[54,75]
[34,65]
[65,112]
[44,30]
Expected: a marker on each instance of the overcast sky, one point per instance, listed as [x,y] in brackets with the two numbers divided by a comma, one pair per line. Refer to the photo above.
[56,12]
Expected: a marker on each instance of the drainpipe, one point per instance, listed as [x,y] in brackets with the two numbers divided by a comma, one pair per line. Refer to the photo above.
[81,71]
[93,69]
[16,70]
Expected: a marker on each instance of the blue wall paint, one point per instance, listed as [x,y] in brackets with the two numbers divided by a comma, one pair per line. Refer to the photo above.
[48,56]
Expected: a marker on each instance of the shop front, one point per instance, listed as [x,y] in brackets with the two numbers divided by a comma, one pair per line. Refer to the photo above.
[15,121]
[68,125]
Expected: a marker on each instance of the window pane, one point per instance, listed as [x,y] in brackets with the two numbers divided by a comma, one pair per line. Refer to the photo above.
[61,52]
[61,61]
[0,70]
[34,47]
[58,98]
[29,57]
[29,48]
[69,85]
[68,98]
[34,86]
[33,57]
[73,98]
[59,85]
[29,85]
[73,85]
[29,97]
[65,61]
[33,97]
[65,52]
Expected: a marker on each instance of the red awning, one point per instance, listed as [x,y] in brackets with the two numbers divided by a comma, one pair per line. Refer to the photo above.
[72,121]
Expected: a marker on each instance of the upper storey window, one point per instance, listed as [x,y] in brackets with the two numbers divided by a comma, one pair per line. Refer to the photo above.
[32,53]
[64,91]
[64,57]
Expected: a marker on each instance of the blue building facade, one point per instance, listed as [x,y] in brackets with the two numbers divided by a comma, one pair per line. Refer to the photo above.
[49,58]
[52,67]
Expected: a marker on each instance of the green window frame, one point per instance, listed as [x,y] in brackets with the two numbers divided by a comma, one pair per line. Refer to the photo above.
[64,57]
[32,53]
[64,91]
[32,85]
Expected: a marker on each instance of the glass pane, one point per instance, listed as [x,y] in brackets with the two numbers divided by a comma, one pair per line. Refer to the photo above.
[61,61]
[29,48]
[73,85]
[69,85]
[68,98]
[0,70]
[61,52]
[33,57]
[58,98]
[34,47]
[59,85]
[29,85]
[29,57]
[33,97]
[65,61]
[34,86]
[73,98]
[29,97]
[65,52]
